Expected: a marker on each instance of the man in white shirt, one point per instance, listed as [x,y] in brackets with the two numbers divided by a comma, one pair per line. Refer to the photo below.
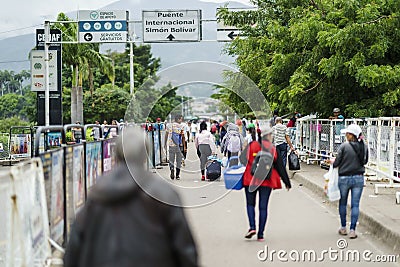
[175,139]
[194,130]
[282,139]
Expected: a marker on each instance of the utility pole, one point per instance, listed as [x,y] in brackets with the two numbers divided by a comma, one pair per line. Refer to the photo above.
[47,73]
[131,69]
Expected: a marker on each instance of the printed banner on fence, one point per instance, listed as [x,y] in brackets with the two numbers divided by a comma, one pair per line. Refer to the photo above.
[53,175]
[20,145]
[108,154]
[30,229]
[78,178]
[93,163]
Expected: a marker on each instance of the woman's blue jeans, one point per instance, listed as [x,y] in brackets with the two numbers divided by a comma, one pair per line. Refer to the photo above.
[355,185]
[264,194]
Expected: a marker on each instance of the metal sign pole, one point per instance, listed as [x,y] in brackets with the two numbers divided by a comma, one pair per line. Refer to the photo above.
[47,85]
[131,69]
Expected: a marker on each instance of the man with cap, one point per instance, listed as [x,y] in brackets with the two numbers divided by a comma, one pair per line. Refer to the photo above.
[339,123]
[351,158]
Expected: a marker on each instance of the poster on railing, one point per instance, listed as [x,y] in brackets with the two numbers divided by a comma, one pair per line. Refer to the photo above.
[108,154]
[5,218]
[30,233]
[69,170]
[20,145]
[93,163]
[54,140]
[78,178]
[57,195]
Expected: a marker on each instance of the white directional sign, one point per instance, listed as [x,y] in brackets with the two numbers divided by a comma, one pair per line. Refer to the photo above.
[38,80]
[226,33]
[171,26]
[103,26]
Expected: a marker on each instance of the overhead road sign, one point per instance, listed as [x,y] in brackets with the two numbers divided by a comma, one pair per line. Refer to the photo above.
[103,26]
[227,33]
[165,26]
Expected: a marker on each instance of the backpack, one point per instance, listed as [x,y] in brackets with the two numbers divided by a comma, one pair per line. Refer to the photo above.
[176,138]
[234,143]
[262,164]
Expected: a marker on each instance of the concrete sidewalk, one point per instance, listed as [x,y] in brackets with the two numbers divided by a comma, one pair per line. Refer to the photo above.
[379,214]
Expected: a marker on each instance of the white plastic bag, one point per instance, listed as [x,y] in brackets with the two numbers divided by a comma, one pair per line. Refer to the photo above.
[332,176]
[224,161]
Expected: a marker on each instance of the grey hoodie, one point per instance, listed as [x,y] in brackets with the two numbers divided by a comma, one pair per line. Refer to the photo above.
[348,158]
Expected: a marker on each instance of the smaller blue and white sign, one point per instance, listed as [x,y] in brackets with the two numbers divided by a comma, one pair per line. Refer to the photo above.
[103,26]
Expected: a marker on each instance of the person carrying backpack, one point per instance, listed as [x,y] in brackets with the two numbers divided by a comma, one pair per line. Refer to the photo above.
[205,146]
[232,143]
[254,184]
[175,139]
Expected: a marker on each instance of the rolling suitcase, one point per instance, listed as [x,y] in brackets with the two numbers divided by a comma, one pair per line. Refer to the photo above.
[213,169]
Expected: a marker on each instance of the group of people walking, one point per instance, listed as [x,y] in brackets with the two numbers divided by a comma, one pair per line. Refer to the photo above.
[119,200]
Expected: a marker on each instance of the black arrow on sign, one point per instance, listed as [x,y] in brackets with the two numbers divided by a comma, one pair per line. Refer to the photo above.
[232,35]
[171,37]
[88,37]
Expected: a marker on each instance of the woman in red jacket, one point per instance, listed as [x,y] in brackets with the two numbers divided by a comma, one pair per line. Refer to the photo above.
[262,185]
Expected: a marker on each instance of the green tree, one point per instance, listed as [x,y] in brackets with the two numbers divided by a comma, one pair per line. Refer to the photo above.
[107,103]
[314,55]
[81,59]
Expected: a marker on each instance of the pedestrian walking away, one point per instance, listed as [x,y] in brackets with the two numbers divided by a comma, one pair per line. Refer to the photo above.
[272,121]
[262,186]
[126,221]
[193,129]
[205,146]
[282,139]
[232,143]
[175,139]
[351,158]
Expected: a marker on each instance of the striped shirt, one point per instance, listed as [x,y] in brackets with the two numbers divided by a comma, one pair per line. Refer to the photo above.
[280,132]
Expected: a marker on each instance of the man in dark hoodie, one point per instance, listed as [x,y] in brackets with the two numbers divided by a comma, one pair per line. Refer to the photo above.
[131,217]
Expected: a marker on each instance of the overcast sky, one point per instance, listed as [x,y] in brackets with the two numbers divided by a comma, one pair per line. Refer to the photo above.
[23,16]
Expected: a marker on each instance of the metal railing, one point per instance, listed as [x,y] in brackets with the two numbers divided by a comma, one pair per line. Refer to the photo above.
[320,139]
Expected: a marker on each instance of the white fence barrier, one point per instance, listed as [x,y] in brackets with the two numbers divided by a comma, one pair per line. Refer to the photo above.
[320,139]
[24,220]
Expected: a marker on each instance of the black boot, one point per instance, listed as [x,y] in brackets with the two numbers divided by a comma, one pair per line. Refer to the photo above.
[178,171]
[172,174]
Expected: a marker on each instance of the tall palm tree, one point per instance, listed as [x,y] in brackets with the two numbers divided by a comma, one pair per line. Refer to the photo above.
[81,58]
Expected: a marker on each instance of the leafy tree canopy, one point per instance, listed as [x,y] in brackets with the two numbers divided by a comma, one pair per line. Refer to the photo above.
[313,55]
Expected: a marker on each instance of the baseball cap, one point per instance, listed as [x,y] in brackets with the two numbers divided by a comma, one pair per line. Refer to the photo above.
[353,129]
[265,129]
[335,110]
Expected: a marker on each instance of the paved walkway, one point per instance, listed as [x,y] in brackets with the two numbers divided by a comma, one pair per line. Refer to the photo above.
[298,220]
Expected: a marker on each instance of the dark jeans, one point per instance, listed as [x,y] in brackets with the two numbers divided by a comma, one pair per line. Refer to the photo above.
[355,184]
[175,155]
[264,194]
[283,151]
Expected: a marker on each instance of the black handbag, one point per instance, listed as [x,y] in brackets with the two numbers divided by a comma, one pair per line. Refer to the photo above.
[294,162]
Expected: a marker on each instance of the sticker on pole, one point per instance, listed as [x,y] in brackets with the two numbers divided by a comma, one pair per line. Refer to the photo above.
[171,26]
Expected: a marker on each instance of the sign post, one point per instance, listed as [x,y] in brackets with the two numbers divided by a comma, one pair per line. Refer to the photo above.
[54,77]
[166,26]
[103,26]
[47,83]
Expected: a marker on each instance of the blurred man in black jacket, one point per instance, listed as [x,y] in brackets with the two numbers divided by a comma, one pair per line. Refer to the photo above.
[131,217]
